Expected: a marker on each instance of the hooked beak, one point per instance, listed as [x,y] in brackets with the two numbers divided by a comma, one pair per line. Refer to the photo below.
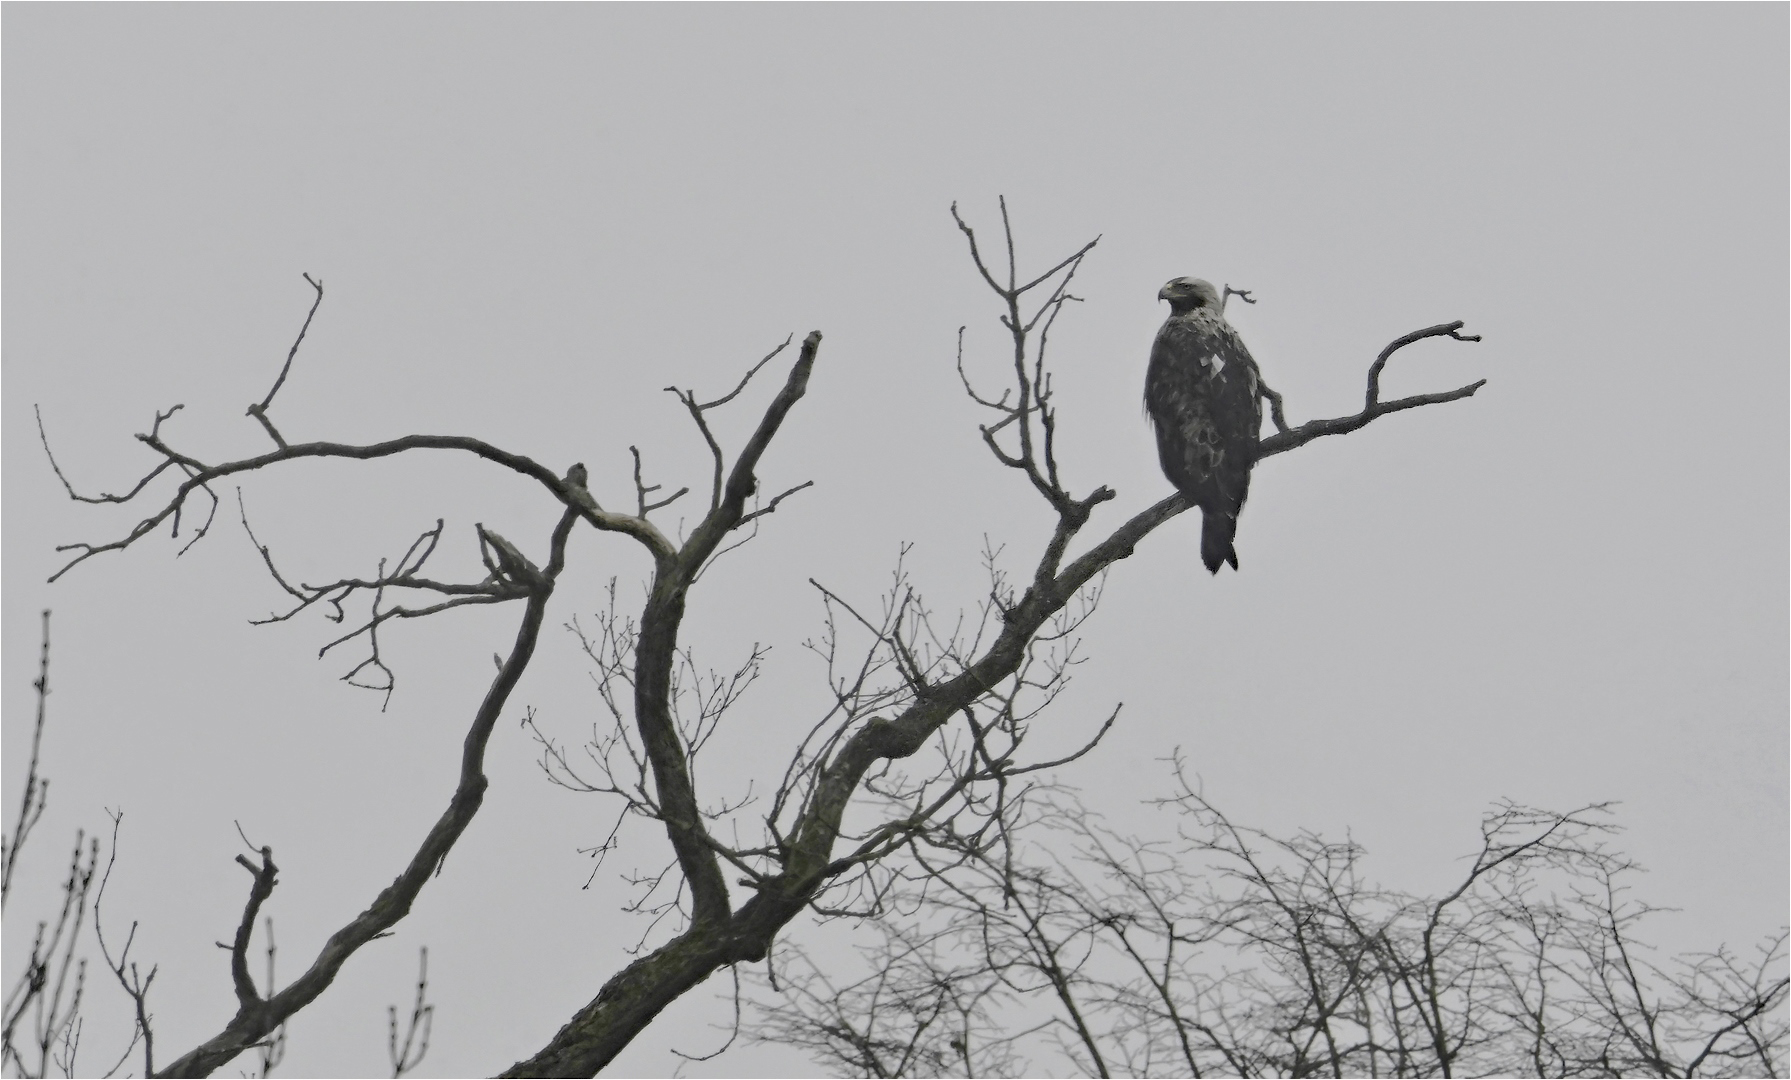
[1163,293]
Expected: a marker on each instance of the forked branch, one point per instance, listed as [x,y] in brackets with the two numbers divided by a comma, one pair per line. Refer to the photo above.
[1373,407]
[259,411]
[265,879]
[688,398]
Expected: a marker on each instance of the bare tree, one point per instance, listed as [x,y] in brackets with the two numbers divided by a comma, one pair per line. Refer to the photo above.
[926,719]
[1058,944]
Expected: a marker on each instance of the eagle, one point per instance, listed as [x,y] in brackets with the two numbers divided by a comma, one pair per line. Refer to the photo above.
[1202,394]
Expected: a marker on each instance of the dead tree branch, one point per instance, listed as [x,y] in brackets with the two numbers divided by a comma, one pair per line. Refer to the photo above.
[259,411]
[1373,407]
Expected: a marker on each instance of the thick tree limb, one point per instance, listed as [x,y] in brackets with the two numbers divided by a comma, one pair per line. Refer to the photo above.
[656,650]
[255,1020]
[266,877]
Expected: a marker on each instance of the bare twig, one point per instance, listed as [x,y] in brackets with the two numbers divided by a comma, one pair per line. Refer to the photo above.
[259,411]
[771,507]
[510,576]
[272,1050]
[642,489]
[124,969]
[1241,294]
[733,1033]
[44,440]
[1031,393]
[37,788]
[417,1029]
[688,397]
[51,986]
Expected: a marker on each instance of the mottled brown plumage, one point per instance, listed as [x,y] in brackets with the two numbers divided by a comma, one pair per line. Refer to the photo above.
[1201,393]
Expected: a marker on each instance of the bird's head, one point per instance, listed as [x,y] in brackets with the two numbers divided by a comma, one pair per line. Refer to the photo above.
[1186,294]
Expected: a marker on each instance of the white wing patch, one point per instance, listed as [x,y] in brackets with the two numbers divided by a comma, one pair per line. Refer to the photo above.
[1215,363]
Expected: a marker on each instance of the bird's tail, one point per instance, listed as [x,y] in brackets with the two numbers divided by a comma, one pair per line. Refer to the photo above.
[1216,533]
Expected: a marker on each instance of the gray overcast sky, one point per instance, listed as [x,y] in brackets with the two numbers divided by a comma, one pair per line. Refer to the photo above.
[531,219]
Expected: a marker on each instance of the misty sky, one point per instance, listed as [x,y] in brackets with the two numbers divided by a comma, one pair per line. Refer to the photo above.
[530,220]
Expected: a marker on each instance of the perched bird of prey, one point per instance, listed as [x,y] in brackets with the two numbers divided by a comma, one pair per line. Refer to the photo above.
[1201,393]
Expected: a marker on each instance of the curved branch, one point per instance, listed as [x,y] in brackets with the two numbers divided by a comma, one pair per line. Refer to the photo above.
[255,1021]
[266,877]
[1451,330]
[574,495]
[1373,407]
[102,497]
